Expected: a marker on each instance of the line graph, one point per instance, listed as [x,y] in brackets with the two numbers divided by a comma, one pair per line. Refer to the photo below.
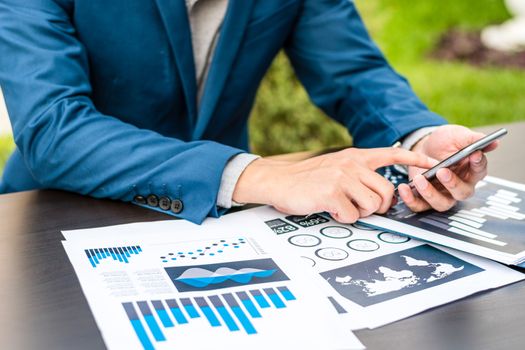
[223,275]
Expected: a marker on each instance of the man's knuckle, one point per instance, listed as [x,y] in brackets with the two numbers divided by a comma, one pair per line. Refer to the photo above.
[452,184]
[387,190]
[426,193]
[338,174]
[332,191]
[461,196]
[347,163]
[468,192]
[444,206]
[353,216]
[377,202]
[371,205]
[368,208]
[349,215]
[397,153]
[415,206]
[480,169]
[351,152]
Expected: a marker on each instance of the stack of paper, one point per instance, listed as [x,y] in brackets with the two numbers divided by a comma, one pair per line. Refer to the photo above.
[226,284]
[260,278]
[375,277]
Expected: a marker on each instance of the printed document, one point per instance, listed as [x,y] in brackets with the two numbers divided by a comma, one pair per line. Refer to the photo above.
[226,284]
[379,277]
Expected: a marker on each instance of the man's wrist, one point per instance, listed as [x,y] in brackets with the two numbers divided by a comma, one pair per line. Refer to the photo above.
[257,181]
[230,176]
[419,144]
[413,139]
[412,142]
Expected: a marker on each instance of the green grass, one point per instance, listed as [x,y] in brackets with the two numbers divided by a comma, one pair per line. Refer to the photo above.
[408,30]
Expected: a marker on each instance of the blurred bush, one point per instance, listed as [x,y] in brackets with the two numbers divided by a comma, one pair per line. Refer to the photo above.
[283,119]
[6,147]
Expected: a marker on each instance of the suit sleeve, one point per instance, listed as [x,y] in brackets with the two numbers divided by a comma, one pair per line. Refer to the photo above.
[67,144]
[347,76]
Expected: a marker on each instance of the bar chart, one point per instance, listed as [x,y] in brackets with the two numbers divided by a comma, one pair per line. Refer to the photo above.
[493,218]
[233,312]
[120,254]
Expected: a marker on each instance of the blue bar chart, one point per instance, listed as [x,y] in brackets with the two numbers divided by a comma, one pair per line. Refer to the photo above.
[120,254]
[233,312]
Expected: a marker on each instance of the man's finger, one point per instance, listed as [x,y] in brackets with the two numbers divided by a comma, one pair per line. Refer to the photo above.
[492,146]
[458,189]
[467,138]
[382,187]
[366,200]
[380,157]
[431,195]
[414,203]
[342,209]
[478,167]
[473,137]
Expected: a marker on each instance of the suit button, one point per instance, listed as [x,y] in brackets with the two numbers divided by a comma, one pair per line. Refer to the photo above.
[164,203]
[153,200]
[176,206]
[139,199]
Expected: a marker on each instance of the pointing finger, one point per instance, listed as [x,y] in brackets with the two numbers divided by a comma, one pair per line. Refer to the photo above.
[380,157]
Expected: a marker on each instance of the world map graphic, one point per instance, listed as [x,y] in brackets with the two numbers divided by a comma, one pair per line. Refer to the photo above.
[391,276]
[393,280]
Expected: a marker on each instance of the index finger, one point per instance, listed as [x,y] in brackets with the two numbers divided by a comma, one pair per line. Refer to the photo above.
[380,157]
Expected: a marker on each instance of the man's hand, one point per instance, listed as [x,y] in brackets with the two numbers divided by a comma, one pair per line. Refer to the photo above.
[344,183]
[453,184]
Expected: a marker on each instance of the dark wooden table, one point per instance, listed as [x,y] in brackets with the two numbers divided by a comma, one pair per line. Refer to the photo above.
[42,305]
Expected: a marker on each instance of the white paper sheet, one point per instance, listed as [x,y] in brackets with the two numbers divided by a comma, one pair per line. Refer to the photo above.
[379,277]
[145,281]
[491,224]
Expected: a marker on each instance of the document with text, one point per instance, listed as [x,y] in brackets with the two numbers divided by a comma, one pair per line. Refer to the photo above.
[375,277]
[226,284]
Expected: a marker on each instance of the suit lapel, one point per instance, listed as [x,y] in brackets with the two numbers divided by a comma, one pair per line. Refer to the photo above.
[175,18]
[231,35]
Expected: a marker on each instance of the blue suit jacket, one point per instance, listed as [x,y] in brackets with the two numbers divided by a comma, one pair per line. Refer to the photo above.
[101,94]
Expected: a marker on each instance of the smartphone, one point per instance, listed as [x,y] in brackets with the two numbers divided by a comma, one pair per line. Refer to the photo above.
[430,174]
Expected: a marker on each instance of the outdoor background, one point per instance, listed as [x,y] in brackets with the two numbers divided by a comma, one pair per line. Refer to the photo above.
[284,120]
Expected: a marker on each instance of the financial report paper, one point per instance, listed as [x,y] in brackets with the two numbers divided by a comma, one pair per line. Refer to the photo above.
[225,284]
[491,224]
[378,277]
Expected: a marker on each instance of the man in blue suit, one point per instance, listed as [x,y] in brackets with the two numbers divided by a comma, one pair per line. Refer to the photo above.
[147,101]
